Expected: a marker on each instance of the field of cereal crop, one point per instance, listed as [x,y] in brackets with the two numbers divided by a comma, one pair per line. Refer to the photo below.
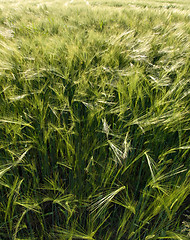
[95,119]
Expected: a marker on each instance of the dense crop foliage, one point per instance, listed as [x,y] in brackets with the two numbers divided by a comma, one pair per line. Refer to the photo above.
[94,120]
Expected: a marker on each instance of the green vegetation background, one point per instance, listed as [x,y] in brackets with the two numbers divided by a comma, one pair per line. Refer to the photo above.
[94,120]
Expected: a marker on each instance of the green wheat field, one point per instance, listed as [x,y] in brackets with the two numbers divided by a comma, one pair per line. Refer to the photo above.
[94,119]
